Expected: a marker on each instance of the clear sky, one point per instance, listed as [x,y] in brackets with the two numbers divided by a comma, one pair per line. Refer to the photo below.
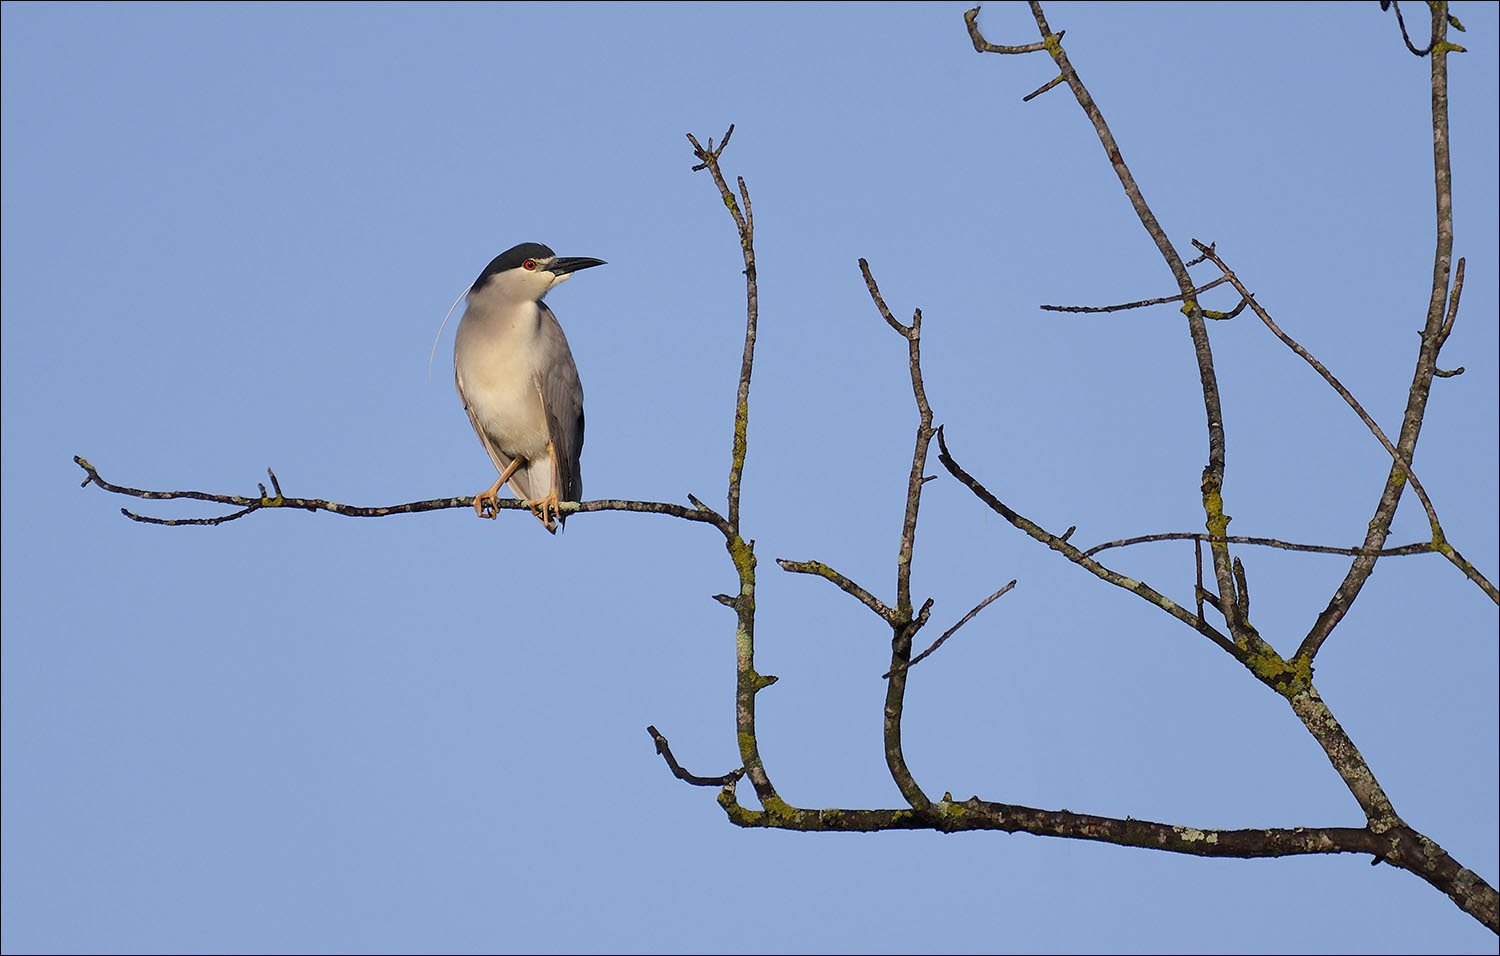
[231,232]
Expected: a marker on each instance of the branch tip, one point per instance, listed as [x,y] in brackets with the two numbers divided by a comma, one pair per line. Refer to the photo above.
[948,633]
[665,749]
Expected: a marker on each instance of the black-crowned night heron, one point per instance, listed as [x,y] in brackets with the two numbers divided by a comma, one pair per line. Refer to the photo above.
[517,380]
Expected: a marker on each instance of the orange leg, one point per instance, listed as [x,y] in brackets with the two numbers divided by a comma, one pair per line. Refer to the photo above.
[546,508]
[487,503]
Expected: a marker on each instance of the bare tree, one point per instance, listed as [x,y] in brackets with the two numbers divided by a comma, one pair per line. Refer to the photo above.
[1385,836]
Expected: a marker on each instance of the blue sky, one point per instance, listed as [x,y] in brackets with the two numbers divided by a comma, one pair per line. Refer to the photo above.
[231,232]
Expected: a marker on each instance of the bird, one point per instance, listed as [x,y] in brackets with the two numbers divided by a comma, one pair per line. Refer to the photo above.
[517,380]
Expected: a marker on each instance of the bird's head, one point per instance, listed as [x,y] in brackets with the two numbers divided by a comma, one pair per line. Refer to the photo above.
[527,271]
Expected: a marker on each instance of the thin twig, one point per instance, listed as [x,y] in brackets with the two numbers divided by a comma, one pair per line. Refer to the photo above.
[1198,576]
[663,748]
[1401,21]
[1458,290]
[1133,305]
[1242,589]
[1419,547]
[1055,81]
[952,630]
[885,312]
[981,45]
[745,223]
[819,569]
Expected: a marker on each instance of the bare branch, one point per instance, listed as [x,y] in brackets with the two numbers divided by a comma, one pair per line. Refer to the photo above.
[1372,547]
[822,570]
[748,681]
[745,223]
[1242,586]
[246,505]
[1458,290]
[1055,81]
[663,748]
[1056,543]
[981,45]
[1406,37]
[1399,846]
[885,312]
[1419,547]
[1426,363]
[1198,592]
[704,154]
[1134,305]
[1212,483]
[954,629]
[904,625]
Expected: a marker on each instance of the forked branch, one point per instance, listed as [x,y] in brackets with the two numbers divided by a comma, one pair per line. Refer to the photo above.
[1440,542]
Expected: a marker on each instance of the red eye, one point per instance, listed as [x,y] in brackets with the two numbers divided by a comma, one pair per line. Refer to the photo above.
[529,265]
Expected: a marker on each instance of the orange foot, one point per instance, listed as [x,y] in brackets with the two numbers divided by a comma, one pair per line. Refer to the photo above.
[546,510]
[487,503]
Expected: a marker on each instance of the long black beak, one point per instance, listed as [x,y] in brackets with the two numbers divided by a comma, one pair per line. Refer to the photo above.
[562,266]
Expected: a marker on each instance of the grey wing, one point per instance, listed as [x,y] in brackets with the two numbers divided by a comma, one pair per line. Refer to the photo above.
[562,398]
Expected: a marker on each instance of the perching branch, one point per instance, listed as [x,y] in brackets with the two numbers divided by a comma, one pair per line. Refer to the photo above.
[264,502]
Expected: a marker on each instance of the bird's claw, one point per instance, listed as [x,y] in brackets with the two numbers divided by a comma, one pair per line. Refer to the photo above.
[487,504]
[547,510]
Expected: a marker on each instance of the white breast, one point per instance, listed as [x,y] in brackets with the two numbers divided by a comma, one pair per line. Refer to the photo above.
[497,378]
